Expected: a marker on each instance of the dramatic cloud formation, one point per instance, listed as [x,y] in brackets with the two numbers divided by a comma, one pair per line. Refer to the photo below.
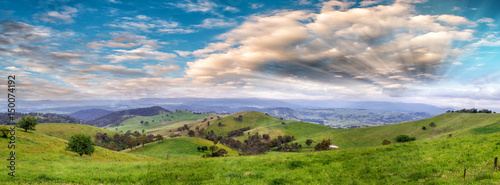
[384,46]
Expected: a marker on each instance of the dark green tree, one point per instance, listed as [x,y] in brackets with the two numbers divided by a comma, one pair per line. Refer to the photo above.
[309,142]
[191,133]
[27,123]
[81,144]
[404,138]
[323,145]
[159,137]
[432,124]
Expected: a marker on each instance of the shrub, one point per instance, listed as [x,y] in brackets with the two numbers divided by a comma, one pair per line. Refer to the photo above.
[309,142]
[4,129]
[386,142]
[423,128]
[323,145]
[432,124]
[404,138]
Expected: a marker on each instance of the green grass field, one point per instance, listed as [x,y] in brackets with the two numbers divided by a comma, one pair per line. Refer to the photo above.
[66,130]
[182,147]
[161,121]
[457,124]
[432,159]
[440,161]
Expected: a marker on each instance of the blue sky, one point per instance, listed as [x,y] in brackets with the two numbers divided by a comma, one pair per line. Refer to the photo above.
[440,52]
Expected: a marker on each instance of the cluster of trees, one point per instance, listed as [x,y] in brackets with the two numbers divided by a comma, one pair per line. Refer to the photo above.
[145,123]
[215,151]
[81,144]
[41,118]
[323,145]
[237,132]
[115,118]
[120,142]
[239,118]
[473,110]
[258,144]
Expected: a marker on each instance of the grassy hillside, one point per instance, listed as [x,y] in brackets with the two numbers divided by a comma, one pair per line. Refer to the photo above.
[440,161]
[161,121]
[457,124]
[43,158]
[182,147]
[66,130]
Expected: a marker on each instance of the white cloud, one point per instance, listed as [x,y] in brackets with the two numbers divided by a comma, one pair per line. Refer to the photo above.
[215,22]
[455,8]
[336,46]
[256,5]
[198,6]
[206,6]
[487,20]
[146,24]
[366,3]
[144,52]
[66,15]
[176,30]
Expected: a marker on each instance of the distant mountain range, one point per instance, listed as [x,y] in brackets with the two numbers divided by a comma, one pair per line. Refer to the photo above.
[219,105]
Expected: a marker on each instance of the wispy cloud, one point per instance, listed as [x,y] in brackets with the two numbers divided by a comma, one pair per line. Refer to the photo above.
[205,6]
[65,16]
[214,23]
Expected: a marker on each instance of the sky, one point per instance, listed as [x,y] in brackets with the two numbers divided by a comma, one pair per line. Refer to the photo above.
[438,52]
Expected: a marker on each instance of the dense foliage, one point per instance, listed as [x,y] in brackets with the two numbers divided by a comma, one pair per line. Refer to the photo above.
[81,144]
[27,123]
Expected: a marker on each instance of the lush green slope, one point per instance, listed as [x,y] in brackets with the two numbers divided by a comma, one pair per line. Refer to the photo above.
[66,130]
[40,157]
[178,147]
[457,124]
[440,161]
[156,122]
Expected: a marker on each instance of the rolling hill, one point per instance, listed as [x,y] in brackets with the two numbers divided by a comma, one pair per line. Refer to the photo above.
[181,147]
[117,117]
[66,130]
[157,123]
[457,124]
[42,160]
[90,114]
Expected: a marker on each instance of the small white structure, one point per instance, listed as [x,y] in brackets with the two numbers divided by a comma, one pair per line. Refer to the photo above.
[334,146]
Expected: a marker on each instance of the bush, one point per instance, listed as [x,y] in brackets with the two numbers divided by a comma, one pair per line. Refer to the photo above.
[423,128]
[404,138]
[309,142]
[323,145]
[386,142]
[4,129]
[432,124]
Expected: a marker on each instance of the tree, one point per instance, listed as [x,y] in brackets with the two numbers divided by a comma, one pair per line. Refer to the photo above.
[323,145]
[386,142]
[404,138]
[309,142]
[146,123]
[220,124]
[432,124]
[191,133]
[221,152]
[283,123]
[142,122]
[81,144]
[159,137]
[131,142]
[4,129]
[27,123]
[142,140]
[423,128]
[213,148]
